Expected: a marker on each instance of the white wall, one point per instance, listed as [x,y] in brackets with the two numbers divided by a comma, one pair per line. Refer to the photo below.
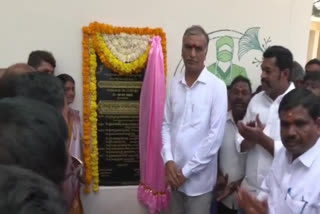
[27,25]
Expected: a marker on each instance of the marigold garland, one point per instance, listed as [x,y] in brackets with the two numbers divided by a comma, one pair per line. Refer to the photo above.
[93,119]
[86,110]
[93,43]
[127,47]
[109,60]
[96,27]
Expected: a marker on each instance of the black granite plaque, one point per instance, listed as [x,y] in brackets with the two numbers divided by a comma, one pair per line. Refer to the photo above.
[118,127]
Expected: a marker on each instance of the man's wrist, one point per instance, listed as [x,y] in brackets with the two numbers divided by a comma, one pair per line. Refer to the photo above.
[168,162]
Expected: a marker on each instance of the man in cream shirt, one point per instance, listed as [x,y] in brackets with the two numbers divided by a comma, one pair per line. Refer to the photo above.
[291,186]
[260,129]
[231,163]
[193,126]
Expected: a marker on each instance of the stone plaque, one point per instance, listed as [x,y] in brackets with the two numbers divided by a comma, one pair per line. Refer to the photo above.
[118,126]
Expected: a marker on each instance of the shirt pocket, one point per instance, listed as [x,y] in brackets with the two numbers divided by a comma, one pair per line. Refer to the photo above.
[198,114]
[300,206]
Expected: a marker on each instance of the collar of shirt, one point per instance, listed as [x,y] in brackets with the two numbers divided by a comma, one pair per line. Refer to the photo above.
[202,78]
[266,96]
[308,157]
[279,98]
[230,117]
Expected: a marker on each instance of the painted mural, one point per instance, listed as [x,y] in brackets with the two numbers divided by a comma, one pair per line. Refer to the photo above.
[232,53]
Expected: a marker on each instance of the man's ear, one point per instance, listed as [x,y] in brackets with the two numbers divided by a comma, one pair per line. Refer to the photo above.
[286,73]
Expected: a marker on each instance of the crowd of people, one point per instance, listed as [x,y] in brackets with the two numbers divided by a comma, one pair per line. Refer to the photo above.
[40,139]
[229,150]
[226,149]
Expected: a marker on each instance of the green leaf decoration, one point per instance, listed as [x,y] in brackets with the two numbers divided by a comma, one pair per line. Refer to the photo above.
[249,41]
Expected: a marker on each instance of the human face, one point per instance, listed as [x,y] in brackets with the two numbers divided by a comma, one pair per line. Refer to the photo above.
[312,68]
[313,86]
[272,78]
[298,84]
[194,51]
[45,67]
[299,131]
[69,91]
[239,97]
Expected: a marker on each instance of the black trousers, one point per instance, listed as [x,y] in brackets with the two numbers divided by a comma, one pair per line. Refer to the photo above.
[222,209]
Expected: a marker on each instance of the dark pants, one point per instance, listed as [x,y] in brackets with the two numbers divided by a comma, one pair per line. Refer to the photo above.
[222,209]
[214,207]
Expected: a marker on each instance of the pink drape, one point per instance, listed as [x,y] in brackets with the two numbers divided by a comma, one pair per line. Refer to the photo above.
[152,191]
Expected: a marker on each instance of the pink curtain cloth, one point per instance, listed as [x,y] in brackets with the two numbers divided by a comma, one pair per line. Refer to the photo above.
[152,191]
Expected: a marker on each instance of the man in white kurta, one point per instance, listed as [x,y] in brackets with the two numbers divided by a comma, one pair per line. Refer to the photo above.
[194,120]
[259,132]
[291,185]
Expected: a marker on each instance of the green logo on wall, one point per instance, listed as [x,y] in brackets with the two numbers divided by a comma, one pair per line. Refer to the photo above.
[230,48]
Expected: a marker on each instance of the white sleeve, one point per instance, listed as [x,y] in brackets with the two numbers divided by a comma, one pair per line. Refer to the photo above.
[166,152]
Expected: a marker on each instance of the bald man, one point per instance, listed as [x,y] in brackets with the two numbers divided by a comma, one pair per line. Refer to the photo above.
[18,68]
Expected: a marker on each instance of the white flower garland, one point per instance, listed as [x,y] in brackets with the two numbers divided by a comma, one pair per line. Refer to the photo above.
[127,47]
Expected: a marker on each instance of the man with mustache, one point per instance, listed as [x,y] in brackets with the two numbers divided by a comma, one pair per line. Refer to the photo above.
[192,131]
[291,184]
[231,163]
[260,129]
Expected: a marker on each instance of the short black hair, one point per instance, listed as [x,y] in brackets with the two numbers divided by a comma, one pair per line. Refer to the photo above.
[65,78]
[33,136]
[313,61]
[301,97]
[24,192]
[36,58]
[241,78]
[36,85]
[313,76]
[284,57]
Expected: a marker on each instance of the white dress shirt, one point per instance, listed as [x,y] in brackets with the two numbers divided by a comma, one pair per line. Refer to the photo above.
[293,186]
[259,160]
[192,130]
[231,162]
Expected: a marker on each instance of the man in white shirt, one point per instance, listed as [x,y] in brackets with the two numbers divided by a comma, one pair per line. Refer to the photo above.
[231,163]
[193,126]
[260,129]
[291,186]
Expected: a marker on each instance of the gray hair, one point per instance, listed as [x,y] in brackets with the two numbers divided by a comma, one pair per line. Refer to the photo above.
[196,30]
[297,72]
